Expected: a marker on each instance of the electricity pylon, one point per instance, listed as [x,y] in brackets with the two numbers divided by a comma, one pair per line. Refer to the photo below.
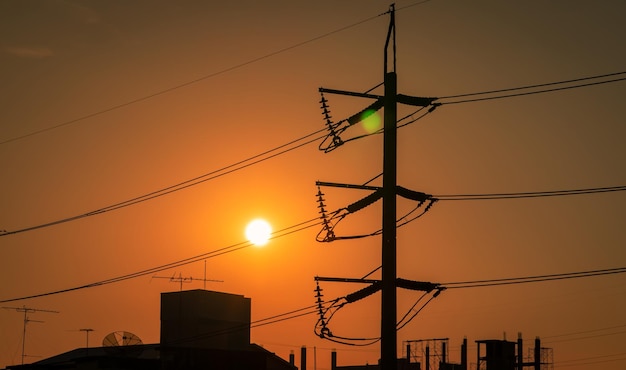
[389,282]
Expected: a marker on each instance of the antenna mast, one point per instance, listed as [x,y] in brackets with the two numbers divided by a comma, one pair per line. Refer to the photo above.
[87,330]
[26,310]
[181,279]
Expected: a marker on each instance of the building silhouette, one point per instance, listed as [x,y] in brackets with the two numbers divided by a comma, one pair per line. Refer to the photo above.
[209,330]
[491,354]
[200,330]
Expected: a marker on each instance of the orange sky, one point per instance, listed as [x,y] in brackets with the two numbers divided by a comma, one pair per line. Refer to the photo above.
[63,60]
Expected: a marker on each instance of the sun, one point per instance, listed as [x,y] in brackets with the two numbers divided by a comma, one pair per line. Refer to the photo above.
[258,232]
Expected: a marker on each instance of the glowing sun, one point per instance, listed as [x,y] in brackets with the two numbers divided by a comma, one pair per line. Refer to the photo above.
[258,232]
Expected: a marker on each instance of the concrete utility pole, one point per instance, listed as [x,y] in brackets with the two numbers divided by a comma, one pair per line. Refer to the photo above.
[389,282]
[388,341]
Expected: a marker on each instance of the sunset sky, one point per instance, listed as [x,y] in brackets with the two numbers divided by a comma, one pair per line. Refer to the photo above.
[102,102]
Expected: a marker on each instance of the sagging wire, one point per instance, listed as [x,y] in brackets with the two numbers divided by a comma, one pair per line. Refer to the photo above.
[337,216]
[402,323]
[333,140]
[330,222]
[433,106]
[326,311]
[411,115]
[326,314]
[419,205]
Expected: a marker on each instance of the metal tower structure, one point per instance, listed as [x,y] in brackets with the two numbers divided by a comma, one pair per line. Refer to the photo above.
[26,311]
[389,281]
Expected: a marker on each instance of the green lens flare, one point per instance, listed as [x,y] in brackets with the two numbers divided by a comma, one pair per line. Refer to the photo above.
[371,121]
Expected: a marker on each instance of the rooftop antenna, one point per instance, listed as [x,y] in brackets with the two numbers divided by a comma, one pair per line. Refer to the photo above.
[182,279]
[26,311]
[86,330]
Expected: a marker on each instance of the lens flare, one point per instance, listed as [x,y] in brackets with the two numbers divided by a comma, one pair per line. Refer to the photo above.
[371,121]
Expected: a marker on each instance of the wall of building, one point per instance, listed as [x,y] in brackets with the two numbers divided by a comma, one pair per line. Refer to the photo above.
[205,319]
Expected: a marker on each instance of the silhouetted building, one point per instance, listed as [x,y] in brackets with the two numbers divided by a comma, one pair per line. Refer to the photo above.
[497,354]
[402,364]
[205,319]
[200,330]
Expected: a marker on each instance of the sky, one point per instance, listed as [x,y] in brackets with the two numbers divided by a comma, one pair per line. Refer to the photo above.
[105,101]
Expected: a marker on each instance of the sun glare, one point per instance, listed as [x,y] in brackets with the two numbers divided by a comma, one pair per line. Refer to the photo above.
[258,232]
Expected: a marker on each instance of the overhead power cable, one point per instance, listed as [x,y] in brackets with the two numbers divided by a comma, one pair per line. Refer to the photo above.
[538,194]
[574,363]
[534,89]
[204,256]
[305,311]
[334,305]
[532,279]
[189,83]
[258,158]
[584,332]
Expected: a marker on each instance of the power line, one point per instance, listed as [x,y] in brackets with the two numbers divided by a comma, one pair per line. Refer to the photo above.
[532,279]
[313,309]
[538,194]
[588,337]
[257,159]
[471,96]
[191,82]
[577,362]
[204,256]
[261,157]
[584,332]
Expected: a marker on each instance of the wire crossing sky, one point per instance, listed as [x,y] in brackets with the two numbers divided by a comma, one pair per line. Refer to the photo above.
[285,148]
[153,100]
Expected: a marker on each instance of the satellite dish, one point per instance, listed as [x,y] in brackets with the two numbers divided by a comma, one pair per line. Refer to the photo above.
[121,338]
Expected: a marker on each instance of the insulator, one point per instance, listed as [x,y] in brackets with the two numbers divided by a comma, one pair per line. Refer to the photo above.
[323,101]
[430,204]
[434,106]
[411,194]
[326,225]
[318,291]
[336,140]
[424,286]
[360,204]
[320,308]
[365,292]
[366,112]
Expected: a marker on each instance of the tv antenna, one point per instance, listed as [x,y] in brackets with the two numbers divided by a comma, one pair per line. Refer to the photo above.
[183,279]
[26,311]
[86,330]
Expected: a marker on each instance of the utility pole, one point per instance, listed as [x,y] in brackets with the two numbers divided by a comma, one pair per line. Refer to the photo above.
[27,310]
[389,281]
[388,341]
